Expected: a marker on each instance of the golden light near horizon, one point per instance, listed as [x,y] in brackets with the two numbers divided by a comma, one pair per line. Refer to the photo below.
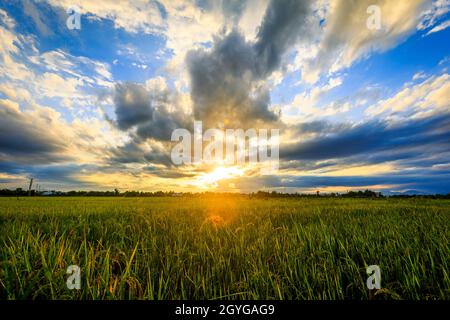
[187,99]
[211,179]
[168,151]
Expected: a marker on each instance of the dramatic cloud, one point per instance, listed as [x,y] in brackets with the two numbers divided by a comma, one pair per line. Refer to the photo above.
[225,86]
[133,106]
[152,109]
[27,137]
[136,151]
[96,107]
[228,82]
[347,37]
[418,182]
[284,23]
[430,95]
[374,136]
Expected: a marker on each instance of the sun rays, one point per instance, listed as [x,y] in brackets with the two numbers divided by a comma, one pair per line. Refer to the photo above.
[211,179]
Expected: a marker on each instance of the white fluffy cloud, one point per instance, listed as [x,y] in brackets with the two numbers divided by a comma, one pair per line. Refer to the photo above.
[131,15]
[431,16]
[432,94]
[28,75]
[183,23]
[440,27]
[306,103]
[347,38]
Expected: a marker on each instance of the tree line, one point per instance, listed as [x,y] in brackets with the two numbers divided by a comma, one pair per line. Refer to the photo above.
[19,192]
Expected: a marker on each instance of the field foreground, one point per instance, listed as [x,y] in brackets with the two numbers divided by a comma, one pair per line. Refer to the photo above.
[223,248]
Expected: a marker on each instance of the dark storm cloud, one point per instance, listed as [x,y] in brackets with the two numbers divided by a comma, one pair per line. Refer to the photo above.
[374,136]
[167,173]
[223,84]
[25,140]
[222,87]
[418,181]
[134,152]
[413,179]
[157,159]
[319,127]
[231,9]
[419,156]
[50,173]
[130,152]
[301,165]
[159,155]
[419,148]
[285,22]
[59,173]
[132,102]
[228,81]
[162,125]
[147,111]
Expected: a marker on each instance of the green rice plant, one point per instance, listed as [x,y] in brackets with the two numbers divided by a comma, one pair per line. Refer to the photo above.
[223,247]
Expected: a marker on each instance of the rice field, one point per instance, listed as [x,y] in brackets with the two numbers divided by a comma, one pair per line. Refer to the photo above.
[222,247]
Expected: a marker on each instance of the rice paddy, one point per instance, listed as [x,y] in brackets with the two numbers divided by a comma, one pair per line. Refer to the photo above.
[222,247]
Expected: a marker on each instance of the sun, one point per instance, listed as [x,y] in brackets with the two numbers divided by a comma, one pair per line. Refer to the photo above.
[212,178]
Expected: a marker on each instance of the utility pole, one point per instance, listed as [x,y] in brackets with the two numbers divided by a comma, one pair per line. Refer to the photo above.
[29,187]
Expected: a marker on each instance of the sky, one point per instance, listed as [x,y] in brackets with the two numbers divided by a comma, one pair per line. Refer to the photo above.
[360,97]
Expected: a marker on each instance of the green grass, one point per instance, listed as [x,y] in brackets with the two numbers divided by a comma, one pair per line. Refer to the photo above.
[223,248]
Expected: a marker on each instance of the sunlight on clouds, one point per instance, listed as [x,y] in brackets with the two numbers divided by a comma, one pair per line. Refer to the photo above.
[363,170]
[440,27]
[53,85]
[252,16]
[347,39]
[306,104]
[72,103]
[433,92]
[6,176]
[344,169]
[344,189]
[123,180]
[211,179]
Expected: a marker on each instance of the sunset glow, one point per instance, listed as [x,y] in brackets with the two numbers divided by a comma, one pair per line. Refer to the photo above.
[211,179]
[92,94]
